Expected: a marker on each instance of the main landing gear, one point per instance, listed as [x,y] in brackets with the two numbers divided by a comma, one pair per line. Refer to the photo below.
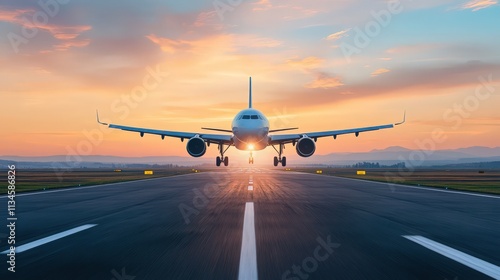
[222,158]
[279,159]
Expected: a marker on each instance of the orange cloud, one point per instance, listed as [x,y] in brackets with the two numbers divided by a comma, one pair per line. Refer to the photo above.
[262,5]
[66,34]
[216,43]
[476,5]
[13,16]
[311,62]
[69,44]
[169,45]
[325,81]
[380,71]
[337,35]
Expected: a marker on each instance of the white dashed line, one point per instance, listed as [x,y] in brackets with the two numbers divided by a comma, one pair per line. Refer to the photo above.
[48,239]
[248,257]
[463,258]
[250,188]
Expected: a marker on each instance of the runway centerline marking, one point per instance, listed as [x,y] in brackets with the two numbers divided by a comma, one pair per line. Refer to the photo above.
[248,257]
[48,239]
[250,188]
[463,258]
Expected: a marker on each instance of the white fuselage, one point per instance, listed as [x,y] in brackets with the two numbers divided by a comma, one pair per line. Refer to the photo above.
[250,129]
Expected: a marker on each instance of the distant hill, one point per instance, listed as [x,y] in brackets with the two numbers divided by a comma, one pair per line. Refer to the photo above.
[388,156]
[393,155]
[69,162]
[474,165]
[98,158]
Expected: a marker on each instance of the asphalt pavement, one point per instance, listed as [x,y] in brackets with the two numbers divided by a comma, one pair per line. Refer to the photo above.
[253,223]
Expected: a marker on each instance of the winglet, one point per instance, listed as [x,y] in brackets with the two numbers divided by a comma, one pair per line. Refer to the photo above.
[250,94]
[404,119]
[97,114]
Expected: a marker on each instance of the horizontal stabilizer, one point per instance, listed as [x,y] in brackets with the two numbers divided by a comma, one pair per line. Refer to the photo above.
[282,129]
[217,129]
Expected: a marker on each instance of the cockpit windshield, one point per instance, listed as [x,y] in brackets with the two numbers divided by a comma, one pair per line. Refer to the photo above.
[250,117]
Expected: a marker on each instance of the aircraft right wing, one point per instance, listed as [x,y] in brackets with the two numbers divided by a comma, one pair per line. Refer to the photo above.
[290,138]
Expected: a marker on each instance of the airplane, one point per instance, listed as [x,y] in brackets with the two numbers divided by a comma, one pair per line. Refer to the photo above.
[250,131]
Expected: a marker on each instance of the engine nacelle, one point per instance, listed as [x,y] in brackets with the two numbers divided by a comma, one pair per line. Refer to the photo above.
[196,147]
[305,147]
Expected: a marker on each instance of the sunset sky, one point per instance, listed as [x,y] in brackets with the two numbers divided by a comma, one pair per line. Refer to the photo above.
[181,65]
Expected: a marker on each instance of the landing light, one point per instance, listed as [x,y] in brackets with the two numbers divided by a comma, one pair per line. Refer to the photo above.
[251,147]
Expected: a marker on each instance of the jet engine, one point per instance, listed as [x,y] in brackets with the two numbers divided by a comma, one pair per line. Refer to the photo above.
[196,147]
[305,147]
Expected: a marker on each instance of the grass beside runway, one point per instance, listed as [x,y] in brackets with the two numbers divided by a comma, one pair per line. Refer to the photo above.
[464,180]
[34,180]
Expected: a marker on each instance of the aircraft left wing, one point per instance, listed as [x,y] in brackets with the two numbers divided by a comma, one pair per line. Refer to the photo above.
[289,138]
[210,138]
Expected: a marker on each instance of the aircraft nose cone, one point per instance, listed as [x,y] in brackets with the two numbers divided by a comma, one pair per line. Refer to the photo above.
[251,135]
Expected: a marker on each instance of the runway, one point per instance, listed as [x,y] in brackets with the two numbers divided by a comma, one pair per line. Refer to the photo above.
[254,224]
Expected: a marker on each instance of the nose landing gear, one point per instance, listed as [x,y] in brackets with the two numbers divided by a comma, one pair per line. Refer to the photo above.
[250,160]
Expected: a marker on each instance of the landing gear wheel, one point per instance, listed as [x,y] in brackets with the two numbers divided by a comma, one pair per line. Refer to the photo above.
[250,160]
[221,159]
[279,158]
